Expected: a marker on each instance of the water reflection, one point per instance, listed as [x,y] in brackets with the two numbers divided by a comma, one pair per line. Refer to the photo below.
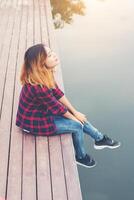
[98,76]
[63,11]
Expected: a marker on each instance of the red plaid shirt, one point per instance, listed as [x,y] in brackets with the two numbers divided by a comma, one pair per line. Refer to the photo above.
[36,109]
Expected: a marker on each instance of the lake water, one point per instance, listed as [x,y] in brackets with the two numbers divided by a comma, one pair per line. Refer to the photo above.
[96,52]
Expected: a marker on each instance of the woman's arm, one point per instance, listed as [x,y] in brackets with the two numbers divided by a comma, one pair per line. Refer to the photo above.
[70,116]
[60,96]
[66,102]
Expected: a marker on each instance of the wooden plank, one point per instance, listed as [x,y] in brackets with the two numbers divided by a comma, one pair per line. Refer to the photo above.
[36,167]
[5,53]
[30,25]
[3,3]
[0,3]
[37,27]
[57,170]
[42,153]
[29,190]
[15,166]
[70,167]
[29,171]
[3,25]
[43,169]
[7,98]
[44,33]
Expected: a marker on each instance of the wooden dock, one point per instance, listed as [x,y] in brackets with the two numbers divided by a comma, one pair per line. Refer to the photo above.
[31,168]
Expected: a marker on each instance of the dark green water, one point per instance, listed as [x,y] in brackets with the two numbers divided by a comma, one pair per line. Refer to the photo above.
[97,61]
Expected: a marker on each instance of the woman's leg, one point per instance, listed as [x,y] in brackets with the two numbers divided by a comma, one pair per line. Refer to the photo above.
[65,125]
[89,129]
[101,140]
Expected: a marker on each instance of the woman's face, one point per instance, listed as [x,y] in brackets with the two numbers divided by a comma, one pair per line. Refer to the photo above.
[52,59]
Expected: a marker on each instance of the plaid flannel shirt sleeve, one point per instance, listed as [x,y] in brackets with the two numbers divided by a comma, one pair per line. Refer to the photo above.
[57,92]
[45,95]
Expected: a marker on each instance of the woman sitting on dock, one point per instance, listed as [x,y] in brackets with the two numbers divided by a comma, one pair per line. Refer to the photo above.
[44,110]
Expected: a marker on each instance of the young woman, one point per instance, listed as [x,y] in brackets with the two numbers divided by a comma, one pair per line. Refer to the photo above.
[44,110]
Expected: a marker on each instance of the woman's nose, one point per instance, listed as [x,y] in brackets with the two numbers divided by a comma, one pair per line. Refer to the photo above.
[54,54]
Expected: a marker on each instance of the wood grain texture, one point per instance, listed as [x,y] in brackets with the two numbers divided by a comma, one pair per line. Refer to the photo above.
[31,168]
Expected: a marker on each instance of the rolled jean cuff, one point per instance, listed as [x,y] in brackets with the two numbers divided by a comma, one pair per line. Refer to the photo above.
[92,131]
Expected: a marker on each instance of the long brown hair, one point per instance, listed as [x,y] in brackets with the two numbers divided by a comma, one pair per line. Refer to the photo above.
[33,70]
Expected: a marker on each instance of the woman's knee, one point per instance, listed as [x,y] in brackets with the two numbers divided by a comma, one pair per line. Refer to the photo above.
[77,125]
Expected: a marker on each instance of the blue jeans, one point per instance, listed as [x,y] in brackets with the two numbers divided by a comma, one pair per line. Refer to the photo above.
[65,125]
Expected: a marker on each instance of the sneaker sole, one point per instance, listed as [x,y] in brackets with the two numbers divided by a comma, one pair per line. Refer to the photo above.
[104,146]
[86,165]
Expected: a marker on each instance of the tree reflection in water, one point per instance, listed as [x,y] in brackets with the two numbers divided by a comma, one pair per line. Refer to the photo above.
[63,11]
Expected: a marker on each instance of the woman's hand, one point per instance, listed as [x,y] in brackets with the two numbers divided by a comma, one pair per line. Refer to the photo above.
[81,117]
[75,119]
[70,115]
